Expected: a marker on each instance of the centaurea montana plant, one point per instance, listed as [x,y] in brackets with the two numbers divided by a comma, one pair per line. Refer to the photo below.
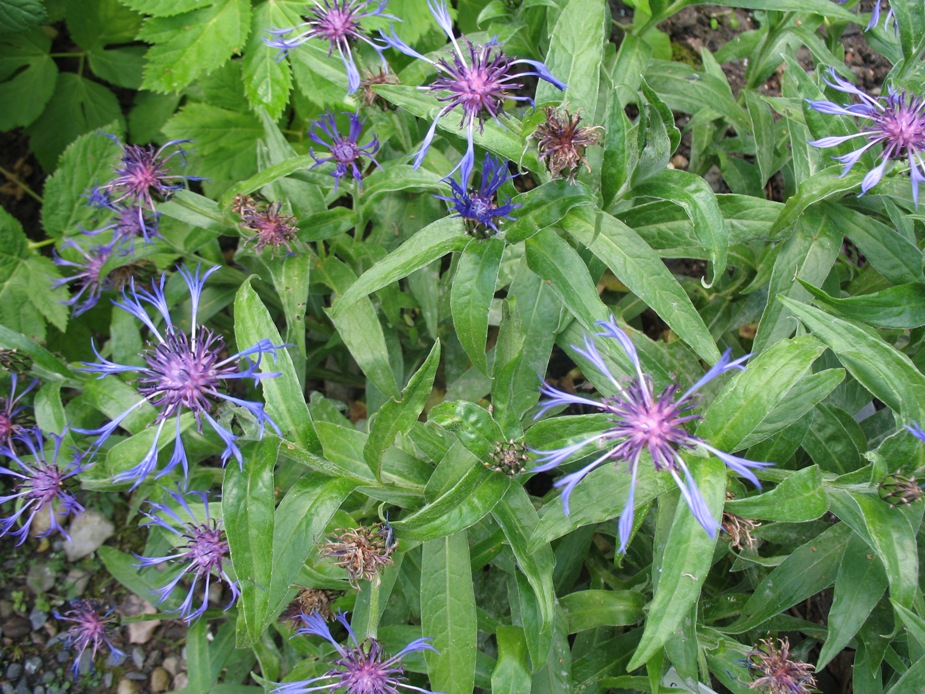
[344,151]
[897,121]
[479,208]
[642,422]
[10,409]
[91,627]
[182,372]
[202,549]
[361,669]
[39,483]
[338,23]
[477,80]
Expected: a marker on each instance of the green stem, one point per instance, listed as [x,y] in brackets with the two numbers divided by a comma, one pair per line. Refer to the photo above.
[40,244]
[13,178]
[372,628]
[67,55]
[769,40]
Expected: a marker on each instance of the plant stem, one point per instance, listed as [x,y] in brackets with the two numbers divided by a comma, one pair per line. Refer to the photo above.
[13,178]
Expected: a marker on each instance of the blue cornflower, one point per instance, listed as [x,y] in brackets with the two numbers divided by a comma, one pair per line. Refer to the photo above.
[88,281]
[362,667]
[896,120]
[344,151]
[642,421]
[477,80]
[479,209]
[39,483]
[202,548]
[182,371]
[874,15]
[129,222]
[9,426]
[92,627]
[338,23]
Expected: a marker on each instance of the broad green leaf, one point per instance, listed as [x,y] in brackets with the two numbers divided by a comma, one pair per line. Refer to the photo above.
[910,26]
[163,8]
[88,161]
[685,564]
[912,680]
[119,66]
[543,207]
[823,185]
[399,414]
[284,395]
[900,307]
[28,74]
[589,609]
[835,441]
[471,423]
[45,365]
[810,568]
[248,501]
[576,50]
[471,294]
[797,499]
[20,15]
[887,373]
[267,81]
[432,242]
[753,393]
[193,43]
[448,613]
[914,624]
[640,268]
[859,586]
[820,7]
[512,669]
[762,120]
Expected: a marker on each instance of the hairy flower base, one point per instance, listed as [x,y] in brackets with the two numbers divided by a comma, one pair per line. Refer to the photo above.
[267,222]
[91,628]
[182,372]
[778,674]
[479,208]
[641,423]
[364,552]
[361,669]
[562,143]
[202,550]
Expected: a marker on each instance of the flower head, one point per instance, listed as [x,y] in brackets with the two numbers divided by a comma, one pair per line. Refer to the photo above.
[562,142]
[509,457]
[129,222]
[476,80]
[344,151]
[88,281]
[642,422]
[369,81]
[778,673]
[269,225]
[362,667]
[479,208]
[10,421]
[202,550]
[364,552]
[897,121]
[338,23]
[91,628]
[183,371]
[39,483]
[897,489]
[307,601]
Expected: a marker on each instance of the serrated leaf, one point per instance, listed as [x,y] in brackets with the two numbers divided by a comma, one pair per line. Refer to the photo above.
[120,66]
[193,43]
[20,15]
[267,81]
[163,8]
[29,75]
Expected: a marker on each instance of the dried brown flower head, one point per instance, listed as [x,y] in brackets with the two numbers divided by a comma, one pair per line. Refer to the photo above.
[141,271]
[898,489]
[739,530]
[362,551]
[562,142]
[779,674]
[270,226]
[307,601]
[369,80]
[509,457]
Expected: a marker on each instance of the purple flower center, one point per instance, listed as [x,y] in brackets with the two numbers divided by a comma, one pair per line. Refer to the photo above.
[480,89]
[6,420]
[345,151]
[902,125]
[142,170]
[206,548]
[337,23]
[364,672]
[184,373]
[46,484]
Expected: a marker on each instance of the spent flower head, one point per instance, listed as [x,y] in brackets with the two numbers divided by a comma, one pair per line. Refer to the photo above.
[897,121]
[91,627]
[11,419]
[479,208]
[201,551]
[642,422]
[778,674]
[476,80]
[338,23]
[267,222]
[344,151]
[307,601]
[39,482]
[364,551]
[562,142]
[183,371]
[362,668]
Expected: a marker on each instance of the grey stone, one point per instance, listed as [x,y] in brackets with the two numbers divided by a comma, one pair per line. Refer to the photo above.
[40,578]
[22,687]
[172,664]
[136,676]
[37,618]
[13,671]
[88,532]
[79,579]
[139,632]
[33,664]
[160,680]
[181,681]
[138,657]
[63,657]
[39,690]
[6,689]
[6,608]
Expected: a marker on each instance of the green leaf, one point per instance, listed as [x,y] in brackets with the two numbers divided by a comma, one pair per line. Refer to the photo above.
[193,43]
[590,609]
[284,395]
[77,106]
[163,8]
[799,498]
[267,81]
[823,8]
[685,564]
[512,669]
[887,373]
[28,73]
[398,415]
[471,423]
[859,586]
[248,503]
[694,195]
[124,568]
[471,293]
[640,268]
[45,364]
[835,441]
[821,186]
[27,300]
[20,15]
[225,141]
[810,568]
[88,161]
[448,613]
[430,243]
[576,50]
[901,307]
[120,66]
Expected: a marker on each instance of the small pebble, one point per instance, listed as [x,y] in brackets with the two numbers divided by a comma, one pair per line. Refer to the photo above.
[39,690]
[13,671]
[160,680]
[6,689]
[181,681]
[172,664]
[63,657]
[22,687]
[136,676]
[37,618]
[33,664]
[6,608]
[126,686]
[40,578]
[138,657]
[16,627]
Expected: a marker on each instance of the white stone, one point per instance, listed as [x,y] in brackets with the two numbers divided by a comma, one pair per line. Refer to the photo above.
[88,532]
